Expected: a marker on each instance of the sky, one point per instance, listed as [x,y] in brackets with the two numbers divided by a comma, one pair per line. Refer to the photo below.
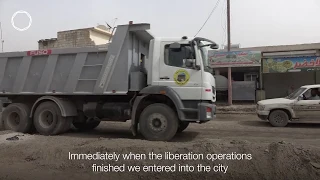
[253,22]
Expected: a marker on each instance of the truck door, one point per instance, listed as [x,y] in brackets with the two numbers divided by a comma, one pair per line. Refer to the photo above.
[172,72]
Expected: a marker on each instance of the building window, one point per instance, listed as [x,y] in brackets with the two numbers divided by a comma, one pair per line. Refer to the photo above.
[250,77]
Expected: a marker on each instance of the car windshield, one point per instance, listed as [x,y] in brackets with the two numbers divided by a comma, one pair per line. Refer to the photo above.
[296,93]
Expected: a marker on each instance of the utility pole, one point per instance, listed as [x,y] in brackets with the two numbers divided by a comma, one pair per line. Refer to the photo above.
[228,24]
[229,47]
[2,41]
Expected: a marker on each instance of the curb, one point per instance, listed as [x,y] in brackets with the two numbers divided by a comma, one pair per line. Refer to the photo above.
[235,112]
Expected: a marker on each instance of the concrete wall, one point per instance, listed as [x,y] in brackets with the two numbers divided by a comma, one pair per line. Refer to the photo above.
[98,37]
[77,38]
[48,44]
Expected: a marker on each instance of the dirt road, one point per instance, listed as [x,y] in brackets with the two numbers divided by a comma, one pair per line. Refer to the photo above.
[277,153]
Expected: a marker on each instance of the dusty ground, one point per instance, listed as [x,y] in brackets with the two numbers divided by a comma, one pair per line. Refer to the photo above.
[277,153]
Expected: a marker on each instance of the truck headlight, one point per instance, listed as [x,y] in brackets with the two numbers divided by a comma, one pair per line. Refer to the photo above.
[261,107]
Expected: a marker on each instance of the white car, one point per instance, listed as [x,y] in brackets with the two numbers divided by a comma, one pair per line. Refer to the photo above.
[302,104]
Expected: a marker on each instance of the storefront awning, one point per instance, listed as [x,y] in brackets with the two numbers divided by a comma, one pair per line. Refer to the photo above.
[219,59]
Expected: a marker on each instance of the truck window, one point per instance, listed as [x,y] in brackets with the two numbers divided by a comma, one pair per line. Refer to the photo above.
[175,57]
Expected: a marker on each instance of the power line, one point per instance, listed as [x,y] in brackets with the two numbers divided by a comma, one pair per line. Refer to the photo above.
[214,8]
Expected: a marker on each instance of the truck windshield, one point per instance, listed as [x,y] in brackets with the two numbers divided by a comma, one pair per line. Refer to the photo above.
[296,93]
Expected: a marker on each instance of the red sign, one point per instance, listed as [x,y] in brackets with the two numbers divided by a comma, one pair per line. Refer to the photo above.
[39,52]
[306,64]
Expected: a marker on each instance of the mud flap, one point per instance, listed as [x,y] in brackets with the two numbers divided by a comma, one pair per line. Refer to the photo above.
[134,122]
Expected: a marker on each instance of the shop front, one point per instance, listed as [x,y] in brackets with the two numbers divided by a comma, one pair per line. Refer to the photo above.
[237,74]
[282,75]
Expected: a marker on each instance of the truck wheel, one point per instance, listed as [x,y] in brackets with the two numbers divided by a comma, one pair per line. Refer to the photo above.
[85,126]
[278,118]
[16,117]
[158,122]
[182,126]
[48,119]
[67,125]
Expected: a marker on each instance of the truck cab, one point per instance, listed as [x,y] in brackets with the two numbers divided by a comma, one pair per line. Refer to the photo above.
[178,68]
[181,64]
[301,105]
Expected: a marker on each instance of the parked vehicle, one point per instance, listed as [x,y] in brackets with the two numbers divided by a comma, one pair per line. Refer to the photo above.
[302,104]
[159,84]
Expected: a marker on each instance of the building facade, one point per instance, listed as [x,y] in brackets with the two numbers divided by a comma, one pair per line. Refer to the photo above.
[283,69]
[78,38]
[240,71]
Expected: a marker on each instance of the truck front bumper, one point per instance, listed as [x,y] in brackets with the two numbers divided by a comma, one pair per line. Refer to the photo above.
[203,113]
[207,111]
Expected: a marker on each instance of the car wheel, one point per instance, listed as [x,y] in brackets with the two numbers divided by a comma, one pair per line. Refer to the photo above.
[278,118]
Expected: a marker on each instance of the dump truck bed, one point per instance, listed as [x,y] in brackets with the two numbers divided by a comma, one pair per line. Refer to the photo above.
[90,70]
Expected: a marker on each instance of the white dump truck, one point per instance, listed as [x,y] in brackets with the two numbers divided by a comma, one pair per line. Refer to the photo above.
[160,84]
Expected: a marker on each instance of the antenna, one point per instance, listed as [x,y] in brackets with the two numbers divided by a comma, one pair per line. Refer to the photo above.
[114,22]
[112,28]
[108,25]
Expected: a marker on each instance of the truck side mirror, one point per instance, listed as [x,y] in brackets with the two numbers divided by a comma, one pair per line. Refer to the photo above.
[175,46]
[300,97]
[214,46]
[190,63]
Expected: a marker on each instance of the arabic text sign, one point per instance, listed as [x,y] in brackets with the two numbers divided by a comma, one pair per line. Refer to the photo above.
[234,58]
[295,64]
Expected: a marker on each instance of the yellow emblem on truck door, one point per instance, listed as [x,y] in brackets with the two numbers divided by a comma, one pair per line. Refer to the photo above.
[181,77]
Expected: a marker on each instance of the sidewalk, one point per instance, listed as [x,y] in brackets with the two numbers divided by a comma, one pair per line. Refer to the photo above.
[236,109]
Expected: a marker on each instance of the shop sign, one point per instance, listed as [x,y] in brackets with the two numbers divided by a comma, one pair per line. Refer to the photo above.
[294,64]
[234,59]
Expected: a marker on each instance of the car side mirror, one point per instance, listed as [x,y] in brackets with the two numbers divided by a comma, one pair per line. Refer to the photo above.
[300,98]
[190,63]
[175,46]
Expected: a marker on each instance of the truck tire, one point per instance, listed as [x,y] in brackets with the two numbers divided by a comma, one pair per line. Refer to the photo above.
[278,118]
[48,119]
[16,117]
[158,122]
[86,126]
[67,125]
[182,126]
